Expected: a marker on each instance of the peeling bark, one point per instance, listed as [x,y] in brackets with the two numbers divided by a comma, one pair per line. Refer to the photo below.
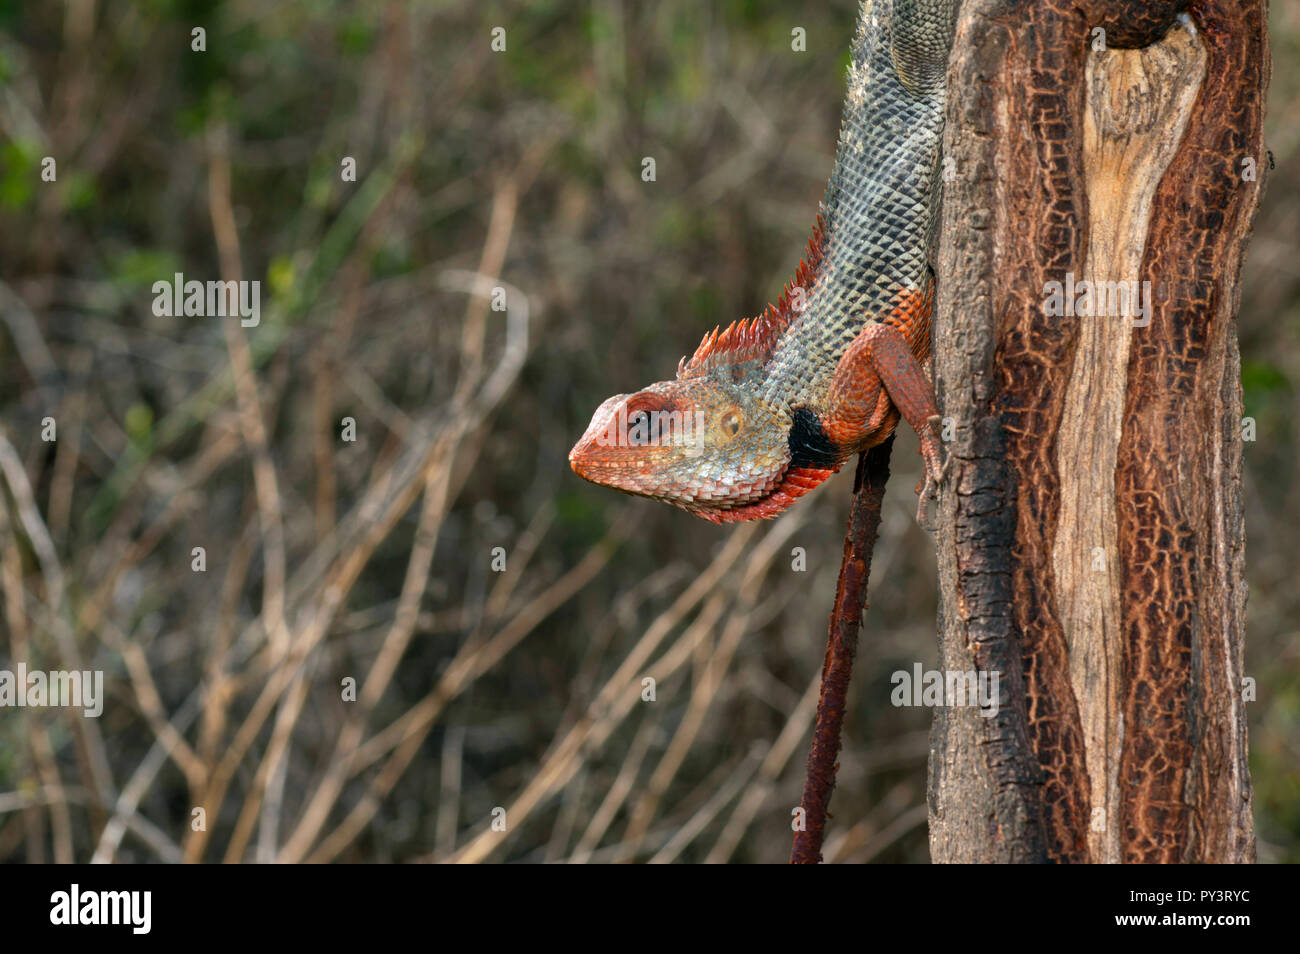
[1091,541]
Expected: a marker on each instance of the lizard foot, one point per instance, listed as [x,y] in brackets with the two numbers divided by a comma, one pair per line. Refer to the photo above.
[936,470]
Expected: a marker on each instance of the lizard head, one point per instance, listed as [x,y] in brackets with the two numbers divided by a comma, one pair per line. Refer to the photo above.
[709,446]
[709,442]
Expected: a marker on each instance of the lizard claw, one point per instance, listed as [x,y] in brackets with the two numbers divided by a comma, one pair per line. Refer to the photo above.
[936,469]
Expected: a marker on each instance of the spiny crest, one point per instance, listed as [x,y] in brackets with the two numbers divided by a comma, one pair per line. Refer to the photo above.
[754,339]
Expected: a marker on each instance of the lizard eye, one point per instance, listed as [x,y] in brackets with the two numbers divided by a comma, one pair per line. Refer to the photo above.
[731,423]
[638,429]
[648,419]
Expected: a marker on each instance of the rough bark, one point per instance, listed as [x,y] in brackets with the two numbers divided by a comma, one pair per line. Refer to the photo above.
[1091,537]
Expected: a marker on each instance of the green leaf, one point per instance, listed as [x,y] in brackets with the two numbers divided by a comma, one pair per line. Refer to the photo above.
[142,267]
[139,423]
[18,159]
[280,275]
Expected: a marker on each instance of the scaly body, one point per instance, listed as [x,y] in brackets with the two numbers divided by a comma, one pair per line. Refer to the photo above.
[768,408]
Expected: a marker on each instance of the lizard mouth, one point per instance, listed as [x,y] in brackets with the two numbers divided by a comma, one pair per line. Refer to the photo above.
[608,454]
[603,460]
[610,467]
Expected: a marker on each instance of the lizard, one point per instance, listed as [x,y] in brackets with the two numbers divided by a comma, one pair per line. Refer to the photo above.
[768,408]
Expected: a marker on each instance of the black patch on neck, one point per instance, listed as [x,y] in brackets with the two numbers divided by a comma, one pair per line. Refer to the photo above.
[809,445]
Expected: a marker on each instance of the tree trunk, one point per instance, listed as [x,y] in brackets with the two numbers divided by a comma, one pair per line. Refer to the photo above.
[1091,537]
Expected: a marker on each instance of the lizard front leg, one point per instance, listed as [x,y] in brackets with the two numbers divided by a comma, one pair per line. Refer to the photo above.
[877,379]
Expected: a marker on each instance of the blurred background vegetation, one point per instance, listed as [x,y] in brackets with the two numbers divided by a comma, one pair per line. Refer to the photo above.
[373,560]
